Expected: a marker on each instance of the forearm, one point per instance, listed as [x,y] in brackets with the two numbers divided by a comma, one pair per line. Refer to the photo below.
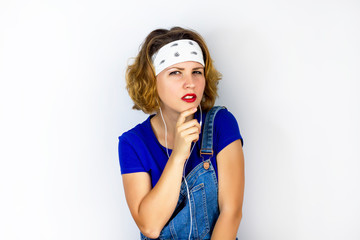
[158,205]
[226,226]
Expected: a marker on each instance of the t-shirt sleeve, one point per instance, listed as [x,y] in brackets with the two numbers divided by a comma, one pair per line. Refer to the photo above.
[128,157]
[226,130]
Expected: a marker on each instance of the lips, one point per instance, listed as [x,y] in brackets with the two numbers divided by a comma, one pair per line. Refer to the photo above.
[189,98]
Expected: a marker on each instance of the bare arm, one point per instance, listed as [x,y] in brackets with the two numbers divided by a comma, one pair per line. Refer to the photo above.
[230,163]
[152,208]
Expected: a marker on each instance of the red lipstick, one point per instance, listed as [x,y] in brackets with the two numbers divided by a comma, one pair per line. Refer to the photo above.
[189,98]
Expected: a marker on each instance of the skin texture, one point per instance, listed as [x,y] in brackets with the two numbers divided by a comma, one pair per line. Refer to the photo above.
[230,163]
[172,84]
[151,208]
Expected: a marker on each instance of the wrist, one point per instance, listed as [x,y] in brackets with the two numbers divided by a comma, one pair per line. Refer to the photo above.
[177,159]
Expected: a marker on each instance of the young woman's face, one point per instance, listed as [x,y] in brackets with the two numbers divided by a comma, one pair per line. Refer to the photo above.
[181,86]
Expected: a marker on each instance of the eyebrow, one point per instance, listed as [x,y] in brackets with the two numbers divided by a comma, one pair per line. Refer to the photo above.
[184,68]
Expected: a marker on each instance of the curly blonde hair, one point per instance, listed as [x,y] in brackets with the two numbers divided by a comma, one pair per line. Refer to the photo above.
[141,79]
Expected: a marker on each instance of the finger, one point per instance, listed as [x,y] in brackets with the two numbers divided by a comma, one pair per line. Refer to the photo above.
[189,124]
[192,138]
[183,115]
[189,131]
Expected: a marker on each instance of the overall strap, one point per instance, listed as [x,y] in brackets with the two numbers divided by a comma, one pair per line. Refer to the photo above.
[207,139]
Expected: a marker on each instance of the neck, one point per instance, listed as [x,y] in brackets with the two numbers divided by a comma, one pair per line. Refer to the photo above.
[158,125]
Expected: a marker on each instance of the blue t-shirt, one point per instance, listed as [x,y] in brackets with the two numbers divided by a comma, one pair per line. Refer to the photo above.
[140,151]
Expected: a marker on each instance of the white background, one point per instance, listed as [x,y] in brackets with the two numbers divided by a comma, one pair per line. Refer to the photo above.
[290,76]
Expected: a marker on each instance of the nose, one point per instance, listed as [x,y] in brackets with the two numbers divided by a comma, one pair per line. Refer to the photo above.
[189,81]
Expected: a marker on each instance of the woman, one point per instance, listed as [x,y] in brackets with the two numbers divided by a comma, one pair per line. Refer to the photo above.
[173,191]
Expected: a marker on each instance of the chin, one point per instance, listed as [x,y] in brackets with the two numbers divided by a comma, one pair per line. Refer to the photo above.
[191,105]
[186,106]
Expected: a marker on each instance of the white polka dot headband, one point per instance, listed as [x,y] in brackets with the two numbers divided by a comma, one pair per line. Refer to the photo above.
[176,52]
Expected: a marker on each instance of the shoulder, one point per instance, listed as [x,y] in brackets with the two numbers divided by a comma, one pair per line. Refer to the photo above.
[132,148]
[140,131]
[226,129]
[225,119]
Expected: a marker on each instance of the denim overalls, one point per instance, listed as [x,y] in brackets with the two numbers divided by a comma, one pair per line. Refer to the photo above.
[203,188]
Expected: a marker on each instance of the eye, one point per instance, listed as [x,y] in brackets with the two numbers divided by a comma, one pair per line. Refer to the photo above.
[197,72]
[174,73]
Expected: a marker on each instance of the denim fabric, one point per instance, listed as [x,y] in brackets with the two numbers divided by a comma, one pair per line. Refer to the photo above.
[207,139]
[203,188]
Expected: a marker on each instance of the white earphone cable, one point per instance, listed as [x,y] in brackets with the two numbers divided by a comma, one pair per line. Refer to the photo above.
[167,152]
